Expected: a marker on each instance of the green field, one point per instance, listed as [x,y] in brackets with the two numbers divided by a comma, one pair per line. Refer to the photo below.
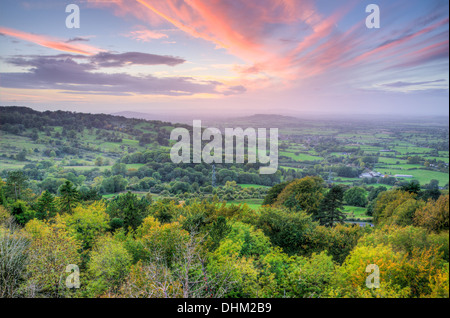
[405,167]
[444,159]
[139,194]
[294,168]
[300,156]
[391,161]
[135,165]
[423,176]
[252,203]
[9,165]
[377,185]
[85,168]
[355,212]
[103,168]
[252,186]
[411,150]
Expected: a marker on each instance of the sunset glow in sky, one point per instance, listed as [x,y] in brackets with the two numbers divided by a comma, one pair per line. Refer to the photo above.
[226,57]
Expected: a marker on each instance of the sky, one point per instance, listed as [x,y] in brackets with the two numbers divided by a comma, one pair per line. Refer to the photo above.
[226,57]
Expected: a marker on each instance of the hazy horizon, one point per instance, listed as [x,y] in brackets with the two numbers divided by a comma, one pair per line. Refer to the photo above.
[208,119]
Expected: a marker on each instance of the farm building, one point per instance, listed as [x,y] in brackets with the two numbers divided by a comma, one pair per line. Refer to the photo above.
[370,174]
[403,176]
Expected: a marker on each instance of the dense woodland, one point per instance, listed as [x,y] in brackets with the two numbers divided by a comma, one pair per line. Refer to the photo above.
[297,246]
[100,192]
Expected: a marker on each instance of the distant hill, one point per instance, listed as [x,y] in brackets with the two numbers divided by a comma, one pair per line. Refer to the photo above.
[258,121]
[265,117]
[82,129]
[138,115]
[184,119]
[31,118]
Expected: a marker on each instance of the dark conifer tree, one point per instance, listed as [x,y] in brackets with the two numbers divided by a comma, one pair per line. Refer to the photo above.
[46,207]
[330,211]
[69,197]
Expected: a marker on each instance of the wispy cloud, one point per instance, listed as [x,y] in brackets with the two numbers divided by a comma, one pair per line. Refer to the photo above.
[77,39]
[66,72]
[52,43]
[406,84]
[292,40]
[243,28]
[107,59]
[146,35]
[388,47]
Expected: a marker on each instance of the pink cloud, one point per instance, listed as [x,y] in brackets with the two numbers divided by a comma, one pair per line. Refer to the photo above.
[278,40]
[239,27]
[52,43]
[146,35]
[426,54]
[386,49]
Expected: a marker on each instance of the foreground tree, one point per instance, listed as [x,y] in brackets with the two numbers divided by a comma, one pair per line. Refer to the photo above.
[86,224]
[129,209]
[13,259]
[108,266]
[69,197]
[373,194]
[273,193]
[302,195]
[331,207]
[219,230]
[356,196]
[21,212]
[396,207]
[188,276]
[15,183]
[2,192]
[52,248]
[285,229]
[434,216]
[411,187]
[46,206]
